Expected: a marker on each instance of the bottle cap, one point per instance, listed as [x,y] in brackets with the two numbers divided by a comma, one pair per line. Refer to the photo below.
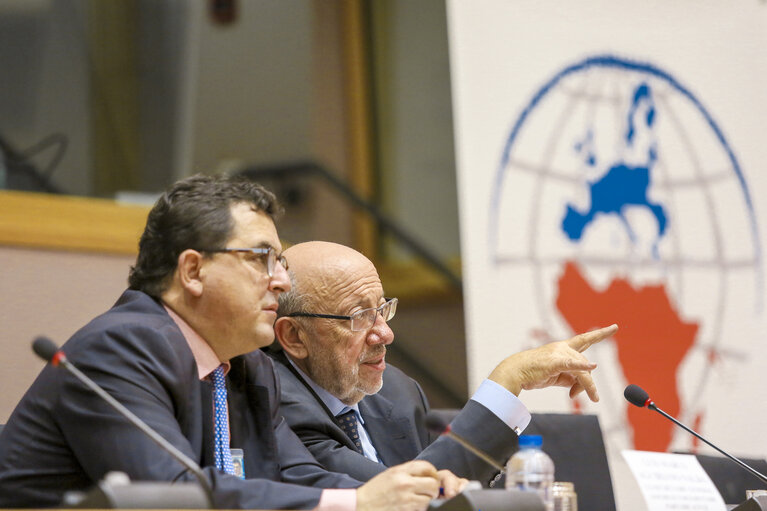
[530,441]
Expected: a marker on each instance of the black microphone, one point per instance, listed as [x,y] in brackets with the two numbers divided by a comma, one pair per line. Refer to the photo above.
[637,396]
[435,422]
[48,351]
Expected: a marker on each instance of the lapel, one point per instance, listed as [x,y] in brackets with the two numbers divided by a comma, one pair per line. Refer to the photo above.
[392,434]
[250,422]
[339,433]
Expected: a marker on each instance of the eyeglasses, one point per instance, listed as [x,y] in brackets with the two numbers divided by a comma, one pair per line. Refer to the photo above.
[271,256]
[360,320]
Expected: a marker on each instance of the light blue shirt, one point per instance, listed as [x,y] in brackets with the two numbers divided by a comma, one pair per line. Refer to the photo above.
[505,405]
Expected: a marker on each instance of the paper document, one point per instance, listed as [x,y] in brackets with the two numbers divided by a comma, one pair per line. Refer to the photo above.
[673,482]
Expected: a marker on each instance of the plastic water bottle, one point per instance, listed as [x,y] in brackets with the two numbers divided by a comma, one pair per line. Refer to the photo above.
[531,469]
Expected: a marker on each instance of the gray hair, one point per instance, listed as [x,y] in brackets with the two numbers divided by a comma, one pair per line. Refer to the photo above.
[294,300]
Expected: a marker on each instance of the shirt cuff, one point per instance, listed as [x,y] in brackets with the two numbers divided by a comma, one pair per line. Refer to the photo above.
[505,405]
[337,500]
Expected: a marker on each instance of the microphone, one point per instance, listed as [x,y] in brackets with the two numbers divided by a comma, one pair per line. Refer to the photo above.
[48,351]
[637,396]
[435,422]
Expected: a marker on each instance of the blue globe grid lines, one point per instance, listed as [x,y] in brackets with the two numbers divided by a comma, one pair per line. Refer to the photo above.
[610,61]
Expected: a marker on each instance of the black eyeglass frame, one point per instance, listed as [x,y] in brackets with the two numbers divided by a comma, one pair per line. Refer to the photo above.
[391,302]
[271,256]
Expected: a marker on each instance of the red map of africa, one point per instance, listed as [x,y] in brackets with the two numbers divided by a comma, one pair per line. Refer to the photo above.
[651,343]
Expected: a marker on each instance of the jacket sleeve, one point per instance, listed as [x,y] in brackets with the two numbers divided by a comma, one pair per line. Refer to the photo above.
[483,429]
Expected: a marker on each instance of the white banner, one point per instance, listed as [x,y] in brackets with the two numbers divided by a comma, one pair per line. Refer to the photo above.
[612,168]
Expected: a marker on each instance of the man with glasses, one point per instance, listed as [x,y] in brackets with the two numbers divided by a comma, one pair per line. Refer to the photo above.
[180,350]
[358,415]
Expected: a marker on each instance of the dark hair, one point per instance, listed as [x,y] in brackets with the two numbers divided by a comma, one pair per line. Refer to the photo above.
[193,213]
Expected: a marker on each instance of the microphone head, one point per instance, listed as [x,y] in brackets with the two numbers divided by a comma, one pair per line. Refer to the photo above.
[44,348]
[636,395]
[436,422]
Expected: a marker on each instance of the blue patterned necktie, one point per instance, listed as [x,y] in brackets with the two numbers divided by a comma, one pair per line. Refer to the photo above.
[348,422]
[221,453]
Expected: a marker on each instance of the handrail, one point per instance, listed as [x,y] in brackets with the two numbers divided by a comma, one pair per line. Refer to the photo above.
[301,168]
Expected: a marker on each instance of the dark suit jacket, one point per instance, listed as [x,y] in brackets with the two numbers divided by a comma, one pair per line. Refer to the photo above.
[62,437]
[394,419]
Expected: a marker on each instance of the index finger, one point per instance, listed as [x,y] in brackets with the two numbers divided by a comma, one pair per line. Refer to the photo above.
[582,342]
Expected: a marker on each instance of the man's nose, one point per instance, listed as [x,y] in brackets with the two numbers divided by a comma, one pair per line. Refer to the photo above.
[380,333]
[280,280]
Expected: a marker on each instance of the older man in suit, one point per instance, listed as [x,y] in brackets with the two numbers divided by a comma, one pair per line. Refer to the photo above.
[177,349]
[356,413]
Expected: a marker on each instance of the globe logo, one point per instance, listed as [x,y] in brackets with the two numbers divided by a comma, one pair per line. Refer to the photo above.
[618,199]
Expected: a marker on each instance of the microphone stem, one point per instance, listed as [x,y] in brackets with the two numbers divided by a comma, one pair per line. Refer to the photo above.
[754,472]
[490,461]
[182,458]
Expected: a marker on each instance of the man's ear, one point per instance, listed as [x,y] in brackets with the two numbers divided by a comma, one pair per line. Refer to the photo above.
[288,334]
[189,271]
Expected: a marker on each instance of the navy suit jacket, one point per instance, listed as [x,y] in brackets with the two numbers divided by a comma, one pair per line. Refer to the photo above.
[62,437]
[394,420]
